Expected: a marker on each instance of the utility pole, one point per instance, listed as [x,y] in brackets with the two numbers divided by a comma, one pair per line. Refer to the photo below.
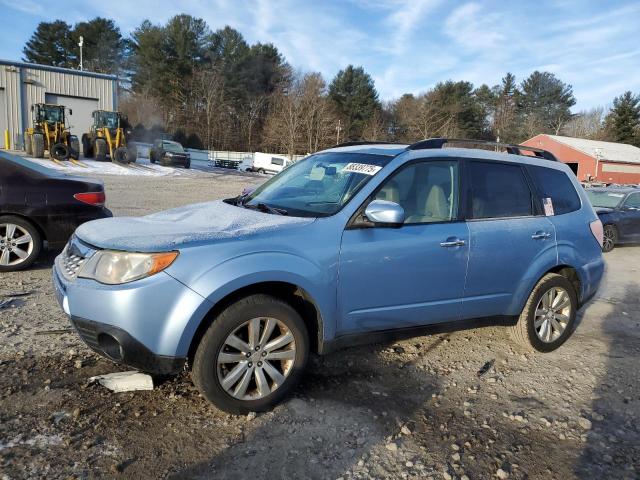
[338,129]
[80,43]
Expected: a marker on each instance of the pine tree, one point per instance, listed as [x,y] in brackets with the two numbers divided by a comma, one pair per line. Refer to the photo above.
[104,50]
[623,121]
[51,44]
[356,99]
[544,103]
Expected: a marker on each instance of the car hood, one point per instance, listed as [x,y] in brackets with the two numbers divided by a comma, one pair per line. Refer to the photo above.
[180,227]
[600,210]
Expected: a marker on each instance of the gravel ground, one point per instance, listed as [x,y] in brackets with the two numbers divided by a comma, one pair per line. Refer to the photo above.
[420,408]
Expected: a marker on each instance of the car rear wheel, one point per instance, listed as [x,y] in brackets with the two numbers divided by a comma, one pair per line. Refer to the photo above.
[610,237]
[252,355]
[20,243]
[548,318]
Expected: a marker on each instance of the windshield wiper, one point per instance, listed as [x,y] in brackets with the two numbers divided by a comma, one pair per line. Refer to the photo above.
[263,207]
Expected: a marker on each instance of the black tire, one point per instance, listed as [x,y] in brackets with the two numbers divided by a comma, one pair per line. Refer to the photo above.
[59,151]
[28,144]
[261,170]
[152,157]
[524,331]
[120,155]
[87,148]
[205,374]
[100,149]
[37,142]
[74,148]
[36,246]
[187,165]
[132,154]
[610,237]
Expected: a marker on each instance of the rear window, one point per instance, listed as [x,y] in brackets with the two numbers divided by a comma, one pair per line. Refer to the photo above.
[555,185]
[499,190]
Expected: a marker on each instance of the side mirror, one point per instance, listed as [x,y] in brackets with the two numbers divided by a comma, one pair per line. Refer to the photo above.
[70,112]
[385,213]
[32,108]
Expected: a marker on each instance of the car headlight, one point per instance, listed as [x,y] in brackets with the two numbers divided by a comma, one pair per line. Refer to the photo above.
[114,267]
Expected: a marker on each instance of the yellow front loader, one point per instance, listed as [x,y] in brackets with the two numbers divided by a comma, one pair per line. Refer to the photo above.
[49,133]
[108,136]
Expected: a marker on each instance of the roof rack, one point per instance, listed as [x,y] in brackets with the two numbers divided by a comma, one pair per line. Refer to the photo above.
[364,142]
[510,148]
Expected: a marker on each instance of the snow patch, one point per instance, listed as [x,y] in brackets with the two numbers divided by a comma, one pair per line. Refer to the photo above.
[197,223]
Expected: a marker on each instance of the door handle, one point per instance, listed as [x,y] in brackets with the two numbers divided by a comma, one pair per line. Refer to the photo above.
[453,243]
[541,236]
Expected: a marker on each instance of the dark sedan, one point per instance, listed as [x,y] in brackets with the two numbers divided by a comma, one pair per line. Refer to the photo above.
[39,205]
[619,211]
[169,153]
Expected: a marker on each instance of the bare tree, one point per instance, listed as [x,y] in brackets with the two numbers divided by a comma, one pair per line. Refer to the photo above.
[586,124]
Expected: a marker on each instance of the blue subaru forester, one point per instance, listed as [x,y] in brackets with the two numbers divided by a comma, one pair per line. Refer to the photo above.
[360,243]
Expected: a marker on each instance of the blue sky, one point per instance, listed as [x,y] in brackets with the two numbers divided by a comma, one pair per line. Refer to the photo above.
[406,45]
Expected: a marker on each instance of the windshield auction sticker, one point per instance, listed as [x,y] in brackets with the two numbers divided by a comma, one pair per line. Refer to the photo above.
[364,168]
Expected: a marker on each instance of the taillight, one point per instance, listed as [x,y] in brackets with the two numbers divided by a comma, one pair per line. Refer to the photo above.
[596,229]
[92,198]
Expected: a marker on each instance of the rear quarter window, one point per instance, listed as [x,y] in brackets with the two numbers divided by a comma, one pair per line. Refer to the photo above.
[557,186]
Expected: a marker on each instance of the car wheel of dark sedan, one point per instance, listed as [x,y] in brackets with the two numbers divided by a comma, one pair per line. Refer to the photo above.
[610,238]
[20,243]
[252,355]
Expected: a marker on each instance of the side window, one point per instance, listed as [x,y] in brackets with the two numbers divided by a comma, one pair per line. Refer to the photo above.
[277,161]
[498,190]
[633,201]
[428,191]
[555,185]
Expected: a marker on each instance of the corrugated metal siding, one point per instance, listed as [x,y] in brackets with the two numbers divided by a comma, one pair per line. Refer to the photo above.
[36,83]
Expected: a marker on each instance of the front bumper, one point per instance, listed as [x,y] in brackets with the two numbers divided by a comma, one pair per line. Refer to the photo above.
[147,324]
[120,347]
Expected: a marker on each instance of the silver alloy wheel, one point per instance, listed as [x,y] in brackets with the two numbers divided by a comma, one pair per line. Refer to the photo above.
[607,239]
[256,358]
[16,244]
[552,314]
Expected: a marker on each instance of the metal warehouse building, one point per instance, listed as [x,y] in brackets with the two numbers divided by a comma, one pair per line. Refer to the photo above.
[24,84]
[592,159]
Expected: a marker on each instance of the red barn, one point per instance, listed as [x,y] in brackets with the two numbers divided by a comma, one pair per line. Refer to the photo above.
[592,159]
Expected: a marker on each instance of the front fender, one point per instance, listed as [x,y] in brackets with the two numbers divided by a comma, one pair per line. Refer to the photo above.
[246,270]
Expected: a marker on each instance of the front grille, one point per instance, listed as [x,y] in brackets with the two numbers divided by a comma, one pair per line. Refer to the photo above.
[71,263]
[73,256]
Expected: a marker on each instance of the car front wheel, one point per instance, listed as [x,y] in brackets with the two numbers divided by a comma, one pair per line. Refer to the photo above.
[549,315]
[252,355]
[609,238]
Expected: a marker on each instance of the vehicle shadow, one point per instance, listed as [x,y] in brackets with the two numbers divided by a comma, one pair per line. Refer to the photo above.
[340,411]
[380,412]
[613,443]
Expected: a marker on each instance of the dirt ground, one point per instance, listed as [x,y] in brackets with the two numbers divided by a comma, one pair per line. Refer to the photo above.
[420,408]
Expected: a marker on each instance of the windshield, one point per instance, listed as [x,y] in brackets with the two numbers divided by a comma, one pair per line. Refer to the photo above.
[600,198]
[172,147]
[108,119]
[319,185]
[51,114]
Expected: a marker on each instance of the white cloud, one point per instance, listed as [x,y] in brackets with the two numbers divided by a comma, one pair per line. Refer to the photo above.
[474,29]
